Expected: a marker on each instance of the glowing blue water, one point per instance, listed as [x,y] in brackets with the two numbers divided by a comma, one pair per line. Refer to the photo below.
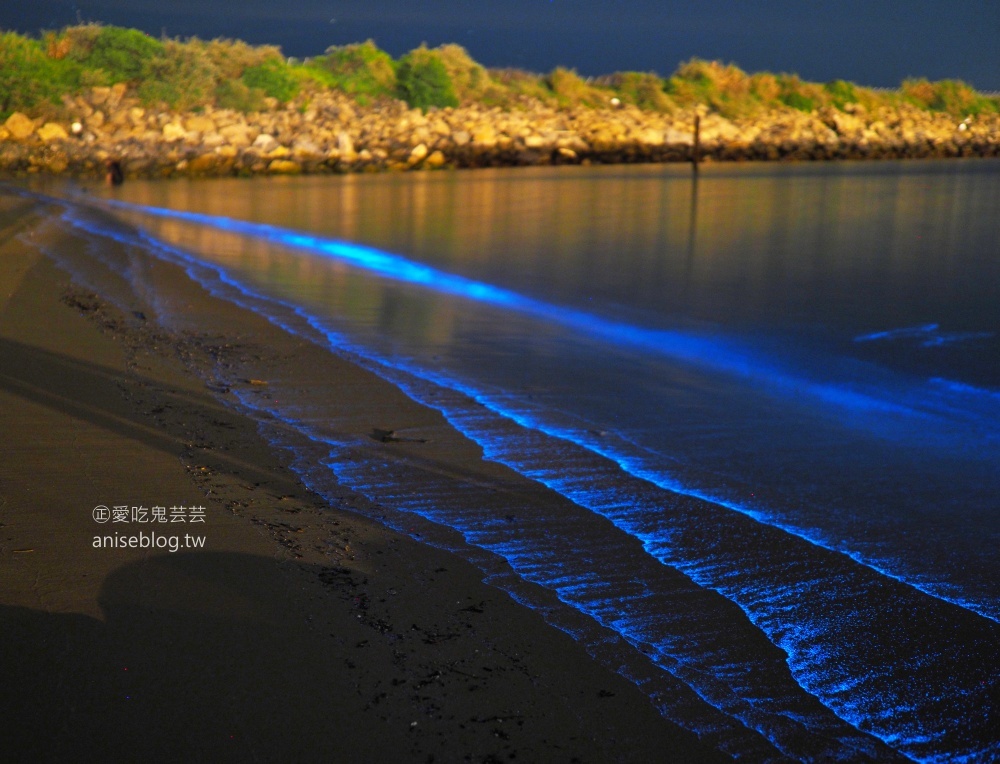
[836,505]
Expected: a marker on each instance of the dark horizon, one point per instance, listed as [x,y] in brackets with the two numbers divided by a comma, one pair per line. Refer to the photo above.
[874,43]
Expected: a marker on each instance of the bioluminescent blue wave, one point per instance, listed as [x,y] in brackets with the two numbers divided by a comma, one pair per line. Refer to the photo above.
[631,463]
[928,336]
[812,606]
[877,411]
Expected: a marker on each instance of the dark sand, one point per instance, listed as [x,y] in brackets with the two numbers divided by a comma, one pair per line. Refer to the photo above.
[302,631]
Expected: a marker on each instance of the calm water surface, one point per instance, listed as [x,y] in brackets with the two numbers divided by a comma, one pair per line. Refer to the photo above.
[783,381]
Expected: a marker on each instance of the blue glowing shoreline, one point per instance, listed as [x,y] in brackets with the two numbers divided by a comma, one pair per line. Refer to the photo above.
[713,355]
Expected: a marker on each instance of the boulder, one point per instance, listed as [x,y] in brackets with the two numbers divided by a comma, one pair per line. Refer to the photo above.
[99,95]
[236,135]
[284,167]
[172,131]
[345,146]
[19,126]
[305,149]
[50,131]
[202,164]
[265,143]
[96,120]
[418,154]
[198,123]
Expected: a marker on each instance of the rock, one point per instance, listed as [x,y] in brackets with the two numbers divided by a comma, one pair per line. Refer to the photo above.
[199,124]
[116,94]
[534,142]
[461,137]
[50,131]
[99,95]
[677,137]
[265,143]
[237,135]
[435,160]
[202,164]
[57,165]
[650,137]
[96,120]
[212,140]
[305,149]
[172,131]
[345,146]
[19,126]
[284,167]
[418,154]
[484,136]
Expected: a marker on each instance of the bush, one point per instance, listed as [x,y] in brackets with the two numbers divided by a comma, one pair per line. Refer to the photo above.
[422,80]
[359,69]
[28,77]
[272,77]
[509,87]
[468,78]
[231,58]
[234,94]
[641,89]
[126,55]
[183,77]
[571,90]
[797,94]
[952,96]
[841,93]
[724,88]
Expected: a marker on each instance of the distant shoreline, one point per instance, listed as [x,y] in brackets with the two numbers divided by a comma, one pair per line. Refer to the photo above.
[336,135]
[87,94]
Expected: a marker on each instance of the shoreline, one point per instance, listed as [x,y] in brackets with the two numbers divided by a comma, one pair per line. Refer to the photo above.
[329,132]
[302,630]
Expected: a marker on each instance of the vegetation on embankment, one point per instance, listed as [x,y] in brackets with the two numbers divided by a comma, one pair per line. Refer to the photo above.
[184,75]
[137,97]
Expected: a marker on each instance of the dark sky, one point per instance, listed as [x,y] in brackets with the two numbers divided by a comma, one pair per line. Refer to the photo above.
[872,42]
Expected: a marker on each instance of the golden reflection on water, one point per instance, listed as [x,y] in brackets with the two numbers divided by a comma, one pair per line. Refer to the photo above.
[737,242]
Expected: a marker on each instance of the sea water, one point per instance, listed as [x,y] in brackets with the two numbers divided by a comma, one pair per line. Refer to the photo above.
[768,398]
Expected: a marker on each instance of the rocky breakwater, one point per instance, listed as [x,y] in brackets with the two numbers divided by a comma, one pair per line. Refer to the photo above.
[328,132]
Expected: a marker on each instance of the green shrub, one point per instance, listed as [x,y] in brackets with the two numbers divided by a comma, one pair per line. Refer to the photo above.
[422,80]
[183,77]
[724,88]
[231,58]
[572,90]
[797,94]
[274,78]
[952,96]
[359,69]
[28,77]
[126,55]
[510,87]
[469,79]
[234,94]
[641,89]
[841,93]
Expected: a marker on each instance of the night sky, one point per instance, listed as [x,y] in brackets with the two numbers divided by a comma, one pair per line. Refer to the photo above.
[872,42]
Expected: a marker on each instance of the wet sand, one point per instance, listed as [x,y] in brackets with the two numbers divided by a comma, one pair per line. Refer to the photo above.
[302,631]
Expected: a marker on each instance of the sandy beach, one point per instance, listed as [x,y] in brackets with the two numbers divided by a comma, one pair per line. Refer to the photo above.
[293,630]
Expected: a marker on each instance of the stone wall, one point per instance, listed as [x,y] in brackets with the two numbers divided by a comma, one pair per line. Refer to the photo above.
[331,133]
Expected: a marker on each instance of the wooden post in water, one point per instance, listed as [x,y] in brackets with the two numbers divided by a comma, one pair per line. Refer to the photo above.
[696,149]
